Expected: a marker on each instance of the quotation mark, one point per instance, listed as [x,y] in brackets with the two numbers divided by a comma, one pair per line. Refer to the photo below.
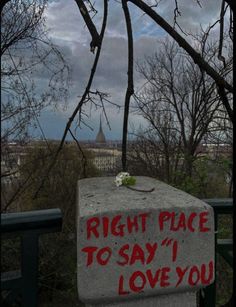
[167,242]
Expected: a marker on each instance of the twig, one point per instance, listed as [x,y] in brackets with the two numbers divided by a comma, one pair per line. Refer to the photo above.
[84,159]
[139,190]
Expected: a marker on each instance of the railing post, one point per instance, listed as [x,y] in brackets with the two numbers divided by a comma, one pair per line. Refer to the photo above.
[28,226]
[208,299]
[29,267]
[221,206]
[142,248]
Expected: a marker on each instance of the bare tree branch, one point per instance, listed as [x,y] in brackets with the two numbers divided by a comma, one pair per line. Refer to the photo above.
[224,99]
[184,44]
[84,159]
[130,86]
[96,39]
[232,4]
[83,98]
[222,12]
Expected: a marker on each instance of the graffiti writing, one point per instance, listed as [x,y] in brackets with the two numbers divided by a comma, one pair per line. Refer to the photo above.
[143,254]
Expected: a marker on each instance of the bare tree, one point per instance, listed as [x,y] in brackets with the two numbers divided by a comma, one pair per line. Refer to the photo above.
[179,101]
[156,150]
[25,51]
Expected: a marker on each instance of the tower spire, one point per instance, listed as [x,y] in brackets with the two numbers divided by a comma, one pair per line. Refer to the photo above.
[100,138]
[100,129]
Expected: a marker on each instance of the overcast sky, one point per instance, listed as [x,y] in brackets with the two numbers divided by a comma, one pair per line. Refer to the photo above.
[67,30]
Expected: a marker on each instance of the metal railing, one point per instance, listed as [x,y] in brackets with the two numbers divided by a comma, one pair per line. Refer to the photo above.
[224,247]
[28,226]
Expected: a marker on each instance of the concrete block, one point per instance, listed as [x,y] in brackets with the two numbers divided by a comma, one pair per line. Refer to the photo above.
[185,299]
[137,245]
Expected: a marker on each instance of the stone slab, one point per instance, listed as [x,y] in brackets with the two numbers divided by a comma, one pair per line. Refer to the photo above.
[136,244]
[187,299]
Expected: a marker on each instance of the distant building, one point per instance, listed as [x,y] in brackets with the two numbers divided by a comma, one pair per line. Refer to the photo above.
[214,150]
[100,138]
[12,155]
[106,153]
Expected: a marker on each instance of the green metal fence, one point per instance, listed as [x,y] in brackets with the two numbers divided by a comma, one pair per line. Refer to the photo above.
[224,247]
[28,226]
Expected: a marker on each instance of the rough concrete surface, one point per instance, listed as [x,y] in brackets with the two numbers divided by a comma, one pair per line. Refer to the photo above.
[150,257]
[174,300]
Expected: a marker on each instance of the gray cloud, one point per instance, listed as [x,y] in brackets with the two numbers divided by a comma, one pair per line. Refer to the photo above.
[69,32]
[192,15]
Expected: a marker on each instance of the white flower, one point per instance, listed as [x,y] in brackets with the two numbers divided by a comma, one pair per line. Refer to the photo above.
[118,182]
[120,177]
